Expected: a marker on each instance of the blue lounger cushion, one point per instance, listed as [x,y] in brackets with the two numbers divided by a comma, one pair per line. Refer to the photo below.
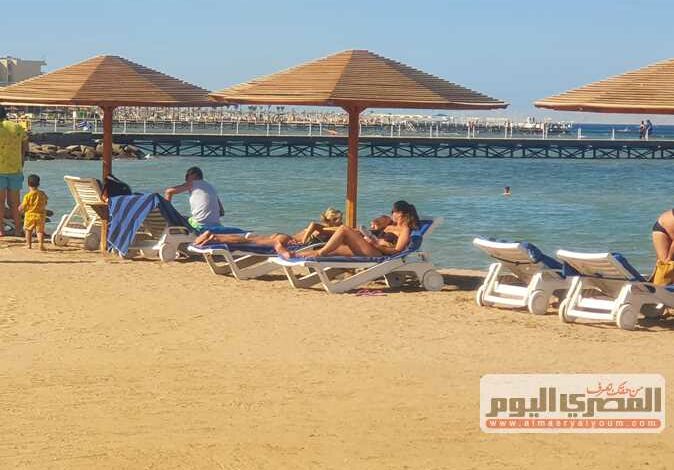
[537,256]
[222,230]
[636,276]
[415,244]
[247,247]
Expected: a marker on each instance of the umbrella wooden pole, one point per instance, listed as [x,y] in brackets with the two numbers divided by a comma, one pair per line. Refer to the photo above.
[352,166]
[107,166]
[107,141]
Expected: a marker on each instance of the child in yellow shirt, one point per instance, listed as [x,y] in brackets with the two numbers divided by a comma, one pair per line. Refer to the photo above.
[34,208]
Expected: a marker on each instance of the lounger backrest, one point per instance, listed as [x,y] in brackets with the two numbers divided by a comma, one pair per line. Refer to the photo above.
[428,224]
[521,258]
[154,224]
[85,192]
[612,266]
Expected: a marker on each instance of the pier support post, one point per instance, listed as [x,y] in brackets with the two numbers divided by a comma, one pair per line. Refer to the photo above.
[352,165]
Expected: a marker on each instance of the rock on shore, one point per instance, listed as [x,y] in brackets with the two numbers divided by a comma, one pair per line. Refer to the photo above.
[80,152]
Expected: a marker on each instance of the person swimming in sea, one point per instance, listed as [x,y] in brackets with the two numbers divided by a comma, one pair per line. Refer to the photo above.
[506,191]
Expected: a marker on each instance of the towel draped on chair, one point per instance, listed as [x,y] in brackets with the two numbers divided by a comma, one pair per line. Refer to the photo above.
[127,214]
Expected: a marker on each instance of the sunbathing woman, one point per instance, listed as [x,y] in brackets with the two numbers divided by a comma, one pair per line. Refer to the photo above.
[663,236]
[316,232]
[392,239]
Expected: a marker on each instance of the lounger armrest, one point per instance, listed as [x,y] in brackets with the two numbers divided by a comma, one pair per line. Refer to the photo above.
[177,230]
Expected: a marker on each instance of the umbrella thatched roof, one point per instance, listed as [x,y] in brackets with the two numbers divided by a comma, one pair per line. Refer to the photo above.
[357,78]
[646,90]
[105,81]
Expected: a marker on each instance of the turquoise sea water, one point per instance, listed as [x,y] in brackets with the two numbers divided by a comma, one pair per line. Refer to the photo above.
[583,205]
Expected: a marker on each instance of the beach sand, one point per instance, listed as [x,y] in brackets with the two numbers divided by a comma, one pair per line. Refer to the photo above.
[108,363]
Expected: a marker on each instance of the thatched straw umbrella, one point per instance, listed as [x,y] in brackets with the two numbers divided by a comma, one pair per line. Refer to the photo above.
[355,80]
[646,90]
[108,82]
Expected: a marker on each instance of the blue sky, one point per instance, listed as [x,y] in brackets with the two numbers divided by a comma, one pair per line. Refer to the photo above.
[516,50]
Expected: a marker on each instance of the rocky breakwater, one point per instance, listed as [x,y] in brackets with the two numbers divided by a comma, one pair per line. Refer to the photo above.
[81,152]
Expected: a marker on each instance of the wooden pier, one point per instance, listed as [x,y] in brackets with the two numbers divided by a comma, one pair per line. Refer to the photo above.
[394,147]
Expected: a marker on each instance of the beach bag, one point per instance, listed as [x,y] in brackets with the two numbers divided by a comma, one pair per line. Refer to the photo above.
[115,187]
[663,274]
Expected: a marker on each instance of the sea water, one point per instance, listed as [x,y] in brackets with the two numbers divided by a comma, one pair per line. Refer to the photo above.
[595,205]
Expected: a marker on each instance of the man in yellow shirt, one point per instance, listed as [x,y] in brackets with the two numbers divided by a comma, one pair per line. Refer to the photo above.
[13,147]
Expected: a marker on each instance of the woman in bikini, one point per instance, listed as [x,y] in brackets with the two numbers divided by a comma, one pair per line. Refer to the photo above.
[389,240]
[663,236]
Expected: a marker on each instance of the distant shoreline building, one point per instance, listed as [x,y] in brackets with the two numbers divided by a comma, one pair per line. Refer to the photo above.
[14,70]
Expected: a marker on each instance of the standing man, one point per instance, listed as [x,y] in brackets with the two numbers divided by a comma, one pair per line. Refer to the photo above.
[13,147]
[205,204]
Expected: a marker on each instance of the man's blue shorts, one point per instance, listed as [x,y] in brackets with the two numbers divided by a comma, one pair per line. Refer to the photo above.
[11,181]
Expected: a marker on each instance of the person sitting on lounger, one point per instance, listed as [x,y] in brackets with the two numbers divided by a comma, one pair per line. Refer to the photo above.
[316,232]
[205,205]
[390,240]
[663,236]
[320,232]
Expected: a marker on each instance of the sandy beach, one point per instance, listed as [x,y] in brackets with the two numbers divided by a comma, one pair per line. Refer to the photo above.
[111,364]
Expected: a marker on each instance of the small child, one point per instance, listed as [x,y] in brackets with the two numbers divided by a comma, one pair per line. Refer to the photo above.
[34,208]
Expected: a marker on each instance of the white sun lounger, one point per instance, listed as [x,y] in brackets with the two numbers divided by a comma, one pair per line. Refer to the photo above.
[606,287]
[241,261]
[394,269]
[540,275]
[82,223]
[157,239]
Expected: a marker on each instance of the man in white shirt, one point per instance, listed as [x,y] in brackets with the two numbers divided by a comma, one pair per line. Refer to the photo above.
[205,205]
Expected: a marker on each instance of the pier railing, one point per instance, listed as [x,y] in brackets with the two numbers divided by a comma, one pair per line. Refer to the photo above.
[392,147]
[430,129]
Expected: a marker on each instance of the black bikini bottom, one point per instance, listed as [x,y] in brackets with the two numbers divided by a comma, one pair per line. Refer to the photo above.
[659,228]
